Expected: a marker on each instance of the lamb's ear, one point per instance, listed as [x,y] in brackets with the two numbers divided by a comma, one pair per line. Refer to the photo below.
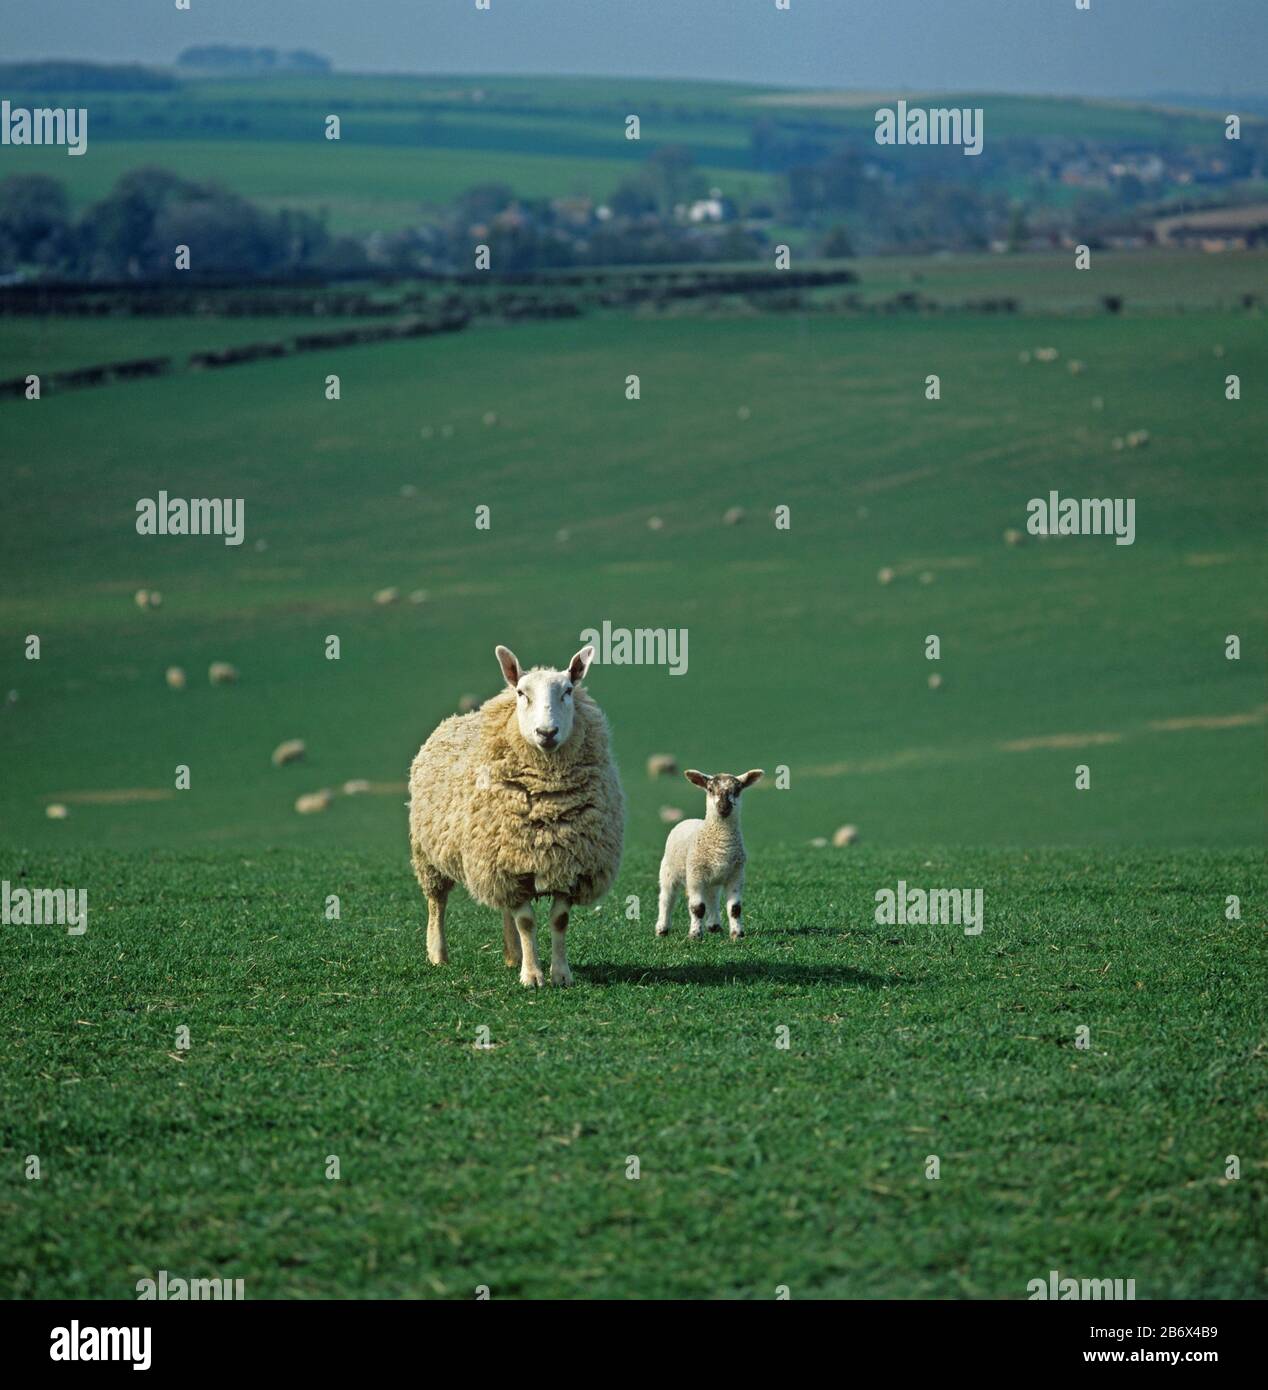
[580,664]
[509,664]
[753,775]
[701,779]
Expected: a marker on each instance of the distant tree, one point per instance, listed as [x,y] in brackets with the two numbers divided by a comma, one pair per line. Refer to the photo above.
[34,210]
[837,246]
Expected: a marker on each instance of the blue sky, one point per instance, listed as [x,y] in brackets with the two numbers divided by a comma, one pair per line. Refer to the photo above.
[1123,48]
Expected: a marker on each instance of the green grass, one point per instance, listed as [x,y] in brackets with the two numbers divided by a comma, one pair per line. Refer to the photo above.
[1054,654]
[760,1167]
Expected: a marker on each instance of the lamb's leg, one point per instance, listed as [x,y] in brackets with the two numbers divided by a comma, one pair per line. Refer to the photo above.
[697,892]
[668,894]
[714,917]
[559,973]
[531,976]
[734,893]
[437,949]
[511,952]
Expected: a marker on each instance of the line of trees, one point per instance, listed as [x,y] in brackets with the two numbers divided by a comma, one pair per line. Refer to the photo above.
[133,232]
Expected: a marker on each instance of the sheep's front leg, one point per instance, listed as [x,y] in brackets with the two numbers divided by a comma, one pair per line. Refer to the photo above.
[531,976]
[511,952]
[437,949]
[714,917]
[734,893]
[559,973]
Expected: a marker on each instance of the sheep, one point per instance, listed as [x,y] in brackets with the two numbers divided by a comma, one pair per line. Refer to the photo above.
[312,802]
[356,786]
[707,857]
[518,800]
[885,575]
[175,677]
[733,516]
[670,815]
[56,811]
[385,597]
[289,752]
[221,673]
[845,835]
[662,765]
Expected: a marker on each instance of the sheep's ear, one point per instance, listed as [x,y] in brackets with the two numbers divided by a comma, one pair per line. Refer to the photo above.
[509,664]
[701,779]
[753,775]
[580,664]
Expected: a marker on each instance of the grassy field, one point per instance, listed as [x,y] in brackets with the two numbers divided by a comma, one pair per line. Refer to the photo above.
[1055,653]
[759,1166]
[463,1165]
[413,142]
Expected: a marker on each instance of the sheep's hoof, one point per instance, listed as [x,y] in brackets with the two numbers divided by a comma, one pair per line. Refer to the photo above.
[736,933]
[662,931]
[438,957]
[532,979]
[561,979]
[715,926]
[694,934]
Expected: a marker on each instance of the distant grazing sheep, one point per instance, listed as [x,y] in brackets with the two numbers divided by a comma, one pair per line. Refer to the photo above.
[845,835]
[221,673]
[312,802]
[733,516]
[670,815]
[358,786]
[518,800]
[56,811]
[175,677]
[384,597]
[662,765]
[885,575]
[468,703]
[289,752]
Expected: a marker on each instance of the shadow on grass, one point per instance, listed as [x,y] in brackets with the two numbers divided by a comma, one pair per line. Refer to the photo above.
[742,971]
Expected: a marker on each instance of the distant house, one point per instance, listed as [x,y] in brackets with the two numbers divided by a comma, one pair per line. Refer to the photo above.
[1216,229]
[714,208]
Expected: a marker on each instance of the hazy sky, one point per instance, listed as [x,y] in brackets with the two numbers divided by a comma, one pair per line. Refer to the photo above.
[1117,48]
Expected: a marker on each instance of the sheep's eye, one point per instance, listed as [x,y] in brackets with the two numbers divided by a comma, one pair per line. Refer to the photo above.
[520,693]
[568,691]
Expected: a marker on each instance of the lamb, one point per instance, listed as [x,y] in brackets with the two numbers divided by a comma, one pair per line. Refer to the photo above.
[707,856]
[519,799]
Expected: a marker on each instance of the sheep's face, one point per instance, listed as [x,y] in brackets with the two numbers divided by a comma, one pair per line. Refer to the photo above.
[544,708]
[723,790]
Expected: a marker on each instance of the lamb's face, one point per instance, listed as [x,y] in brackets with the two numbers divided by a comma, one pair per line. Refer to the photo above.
[544,709]
[722,789]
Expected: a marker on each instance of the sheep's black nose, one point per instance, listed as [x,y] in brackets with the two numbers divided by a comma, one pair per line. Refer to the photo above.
[547,733]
